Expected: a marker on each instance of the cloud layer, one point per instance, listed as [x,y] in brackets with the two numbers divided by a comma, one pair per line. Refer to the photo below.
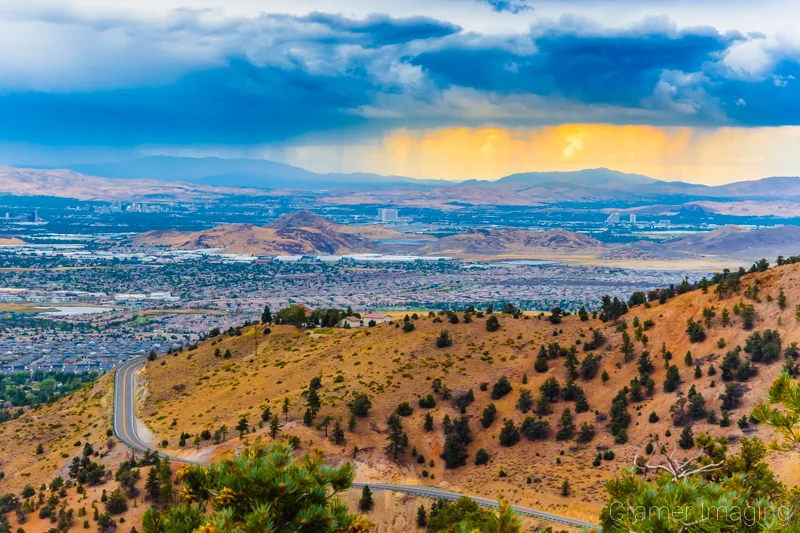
[206,77]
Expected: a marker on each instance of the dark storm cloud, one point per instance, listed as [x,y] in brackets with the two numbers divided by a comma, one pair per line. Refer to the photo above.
[190,79]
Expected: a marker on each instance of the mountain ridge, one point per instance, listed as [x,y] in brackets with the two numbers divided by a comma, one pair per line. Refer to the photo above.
[163,177]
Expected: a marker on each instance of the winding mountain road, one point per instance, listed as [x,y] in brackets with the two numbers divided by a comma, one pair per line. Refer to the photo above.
[125,420]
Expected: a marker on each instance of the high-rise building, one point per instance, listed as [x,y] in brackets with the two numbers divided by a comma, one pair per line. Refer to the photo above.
[34,217]
[633,218]
[388,215]
[613,218]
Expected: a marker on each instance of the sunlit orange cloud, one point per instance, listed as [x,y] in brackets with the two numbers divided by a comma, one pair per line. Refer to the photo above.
[710,156]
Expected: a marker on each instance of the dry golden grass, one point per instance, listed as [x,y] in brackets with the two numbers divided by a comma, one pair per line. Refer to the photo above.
[24,308]
[84,416]
[196,390]
[90,499]
[200,391]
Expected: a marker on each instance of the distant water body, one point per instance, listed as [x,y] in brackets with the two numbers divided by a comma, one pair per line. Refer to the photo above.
[529,262]
[77,310]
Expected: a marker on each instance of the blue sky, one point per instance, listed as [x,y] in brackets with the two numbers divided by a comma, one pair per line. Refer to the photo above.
[269,79]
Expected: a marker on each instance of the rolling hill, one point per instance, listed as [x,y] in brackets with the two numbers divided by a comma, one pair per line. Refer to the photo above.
[512,241]
[298,233]
[230,377]
[741,243]
[303,232]
[199,390]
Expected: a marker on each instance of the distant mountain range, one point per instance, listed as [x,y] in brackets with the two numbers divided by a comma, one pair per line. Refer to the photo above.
[70,184]
[259,173]
[265,174]
[590,176]
[529,188]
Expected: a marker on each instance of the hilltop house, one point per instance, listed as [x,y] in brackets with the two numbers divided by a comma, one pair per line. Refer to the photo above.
[350,322]
[378,318]
[366,320]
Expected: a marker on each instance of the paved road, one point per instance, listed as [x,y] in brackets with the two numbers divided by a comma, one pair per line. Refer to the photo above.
[125,429]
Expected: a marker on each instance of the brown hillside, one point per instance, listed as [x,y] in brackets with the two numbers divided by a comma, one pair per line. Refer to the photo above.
[10,240]
[300,232]
[738,242]
[195,390]
[84,416]
[516,241]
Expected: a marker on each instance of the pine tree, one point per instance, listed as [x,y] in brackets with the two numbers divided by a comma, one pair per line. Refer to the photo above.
[266,316]
[152,485]
[645,364]
[673,379]
[274,427]
[586,433]
[565,488]
[525,401]
[165,491]
[627,346]
[326,422]
[687,438]
[397,436]
[605,377]
[242,426]
[509,434]
[338,433]
[543,406]
[248,492]
[782,299]
[422,516]
[571,363]
[313,402]
[365,503]
[566,427]
[541,361]
[428,424]
[581,404]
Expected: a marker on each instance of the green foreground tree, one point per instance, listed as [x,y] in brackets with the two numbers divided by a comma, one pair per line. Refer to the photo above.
[785,391]
[708,492]
[263,489]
